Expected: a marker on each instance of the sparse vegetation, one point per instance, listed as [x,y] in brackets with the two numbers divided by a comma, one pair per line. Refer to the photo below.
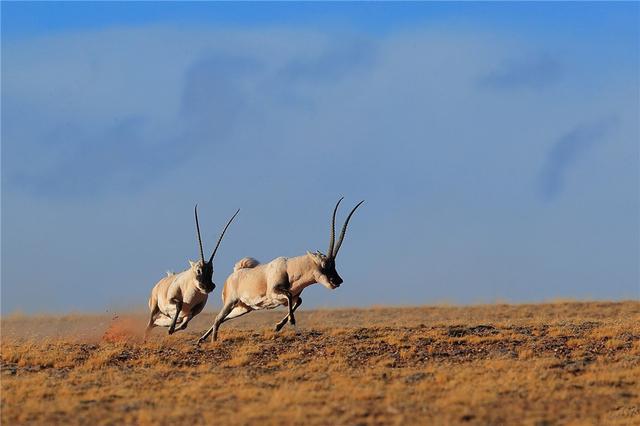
[558,363]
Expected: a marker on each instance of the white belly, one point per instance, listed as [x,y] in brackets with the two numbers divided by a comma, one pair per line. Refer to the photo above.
[266,302]
[169,311]
[165,321]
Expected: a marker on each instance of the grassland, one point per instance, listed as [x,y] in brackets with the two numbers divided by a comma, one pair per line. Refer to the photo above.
[559,363]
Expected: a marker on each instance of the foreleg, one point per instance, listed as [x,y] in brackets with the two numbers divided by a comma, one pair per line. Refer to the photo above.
[292,319]
[178,304]
[192,313]
[184,322]
[282,322]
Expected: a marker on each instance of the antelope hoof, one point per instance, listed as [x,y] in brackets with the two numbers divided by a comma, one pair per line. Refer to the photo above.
[292,320]
[279,326]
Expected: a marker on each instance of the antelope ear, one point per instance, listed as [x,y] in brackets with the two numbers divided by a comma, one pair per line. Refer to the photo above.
[192,263]
[315,257]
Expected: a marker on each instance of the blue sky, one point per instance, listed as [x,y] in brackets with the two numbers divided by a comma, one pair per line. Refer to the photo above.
[496,145]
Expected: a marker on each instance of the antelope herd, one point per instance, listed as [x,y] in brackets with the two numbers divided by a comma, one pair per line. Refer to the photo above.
[177,298]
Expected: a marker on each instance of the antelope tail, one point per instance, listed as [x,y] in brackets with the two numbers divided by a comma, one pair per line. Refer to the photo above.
[245,263]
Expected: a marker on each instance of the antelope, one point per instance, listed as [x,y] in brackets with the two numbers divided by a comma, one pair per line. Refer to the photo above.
[254,286]
[177,298]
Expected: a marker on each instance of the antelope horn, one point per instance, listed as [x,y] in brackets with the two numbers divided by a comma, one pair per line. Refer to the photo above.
[332,240]
[222,235]
[344,229]
[199,238]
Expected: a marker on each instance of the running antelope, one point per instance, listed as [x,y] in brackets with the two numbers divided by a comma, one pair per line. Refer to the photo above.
[177,298]
[255,286]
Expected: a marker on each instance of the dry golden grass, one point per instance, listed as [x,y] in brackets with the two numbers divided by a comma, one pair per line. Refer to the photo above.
[559,363]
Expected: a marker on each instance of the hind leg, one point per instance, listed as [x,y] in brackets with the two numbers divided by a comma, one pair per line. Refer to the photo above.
[226,310]
[236,312]
[151,323]
[239,310]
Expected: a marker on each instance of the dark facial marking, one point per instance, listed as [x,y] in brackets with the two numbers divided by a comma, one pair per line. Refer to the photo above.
[329,270]
[204,275]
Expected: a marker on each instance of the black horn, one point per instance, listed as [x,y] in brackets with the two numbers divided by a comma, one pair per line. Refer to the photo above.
[199,238]
[222,235]
[332,239]
[344,229]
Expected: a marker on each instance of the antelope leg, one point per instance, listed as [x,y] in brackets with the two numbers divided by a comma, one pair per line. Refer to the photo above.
[192,313]
[292,319]
[216,323]
[282,322]
[172,329]
[151,324]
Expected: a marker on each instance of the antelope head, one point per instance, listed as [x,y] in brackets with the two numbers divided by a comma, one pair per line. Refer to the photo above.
[325,272]
[203,270]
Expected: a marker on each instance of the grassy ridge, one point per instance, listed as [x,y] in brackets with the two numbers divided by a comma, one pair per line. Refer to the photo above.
[560,363]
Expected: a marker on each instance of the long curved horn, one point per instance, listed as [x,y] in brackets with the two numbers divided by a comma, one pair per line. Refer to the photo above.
[222,235]
[332,239]
[199,238]
[344,228]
